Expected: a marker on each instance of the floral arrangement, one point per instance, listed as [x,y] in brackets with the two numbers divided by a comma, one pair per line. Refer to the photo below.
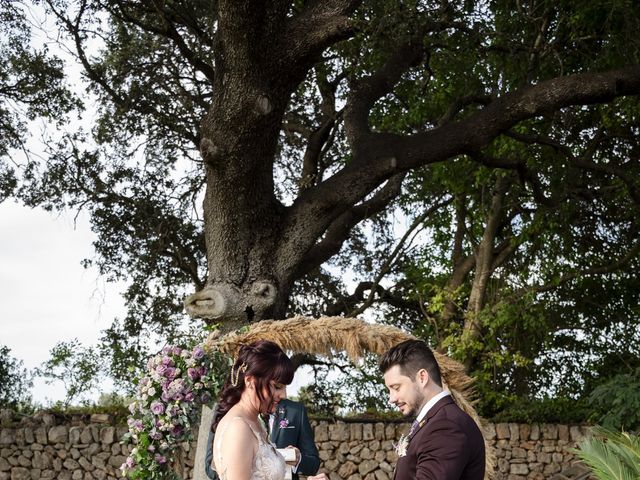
[177,383]
[402,445]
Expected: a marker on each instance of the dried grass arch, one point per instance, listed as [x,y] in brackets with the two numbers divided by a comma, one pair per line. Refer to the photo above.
[327,335]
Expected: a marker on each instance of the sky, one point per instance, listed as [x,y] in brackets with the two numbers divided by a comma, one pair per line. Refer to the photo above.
[46,295]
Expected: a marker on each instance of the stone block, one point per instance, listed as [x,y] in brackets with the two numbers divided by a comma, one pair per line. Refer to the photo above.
[41,435]
[100,418]
[563,432]
[535,432]
[549,431]
[58,434]
[519,469]
[28,435]
[379,431]
[390,432]
[24,461]
[4,465]
[366,454]
[381,475]
[355,431]
[489,431]
[7,436]
[525,430]
[502,431]
[321,433]
[367,466]
[347,469]
[575,433]
[514,432]
[367,431]
[107,435]
[20,473]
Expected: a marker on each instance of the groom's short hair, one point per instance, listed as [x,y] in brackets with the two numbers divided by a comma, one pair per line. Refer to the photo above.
[412,356]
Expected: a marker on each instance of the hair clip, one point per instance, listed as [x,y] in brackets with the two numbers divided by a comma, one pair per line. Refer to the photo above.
[242,368]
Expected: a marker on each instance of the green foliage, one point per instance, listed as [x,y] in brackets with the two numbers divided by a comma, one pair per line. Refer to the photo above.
[618,402]
[560,295]
[15,382]
[611,455]
[32,86]
[545,410]
[79,368]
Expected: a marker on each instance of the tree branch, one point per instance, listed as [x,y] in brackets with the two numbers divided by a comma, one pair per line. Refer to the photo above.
[386,266]
[340,229]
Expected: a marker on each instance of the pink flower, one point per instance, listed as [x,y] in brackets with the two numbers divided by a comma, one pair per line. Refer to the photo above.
[157,407]
[198,353]
[194,373]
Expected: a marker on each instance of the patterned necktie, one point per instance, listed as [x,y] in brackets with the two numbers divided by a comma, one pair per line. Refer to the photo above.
[414,427]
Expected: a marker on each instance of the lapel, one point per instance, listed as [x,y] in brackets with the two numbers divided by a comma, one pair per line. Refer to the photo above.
[432,412]
[281,413]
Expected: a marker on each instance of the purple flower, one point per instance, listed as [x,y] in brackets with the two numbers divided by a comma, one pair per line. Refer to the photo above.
[151,448]
[160,458]
[155,435]
[167,361]
[166,350]
[284,423]
[161,370]
[176,351]
[170,373]
[205,397]
[157,407]
[177,430]
[189,397]
[193,373]
[130,462]
[198,353]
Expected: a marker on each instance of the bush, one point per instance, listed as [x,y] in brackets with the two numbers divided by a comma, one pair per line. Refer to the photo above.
[617,402]
[547,410]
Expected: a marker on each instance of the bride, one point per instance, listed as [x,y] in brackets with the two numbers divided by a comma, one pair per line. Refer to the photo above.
[257,382]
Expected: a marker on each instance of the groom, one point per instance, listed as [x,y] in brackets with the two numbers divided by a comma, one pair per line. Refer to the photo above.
[444,443]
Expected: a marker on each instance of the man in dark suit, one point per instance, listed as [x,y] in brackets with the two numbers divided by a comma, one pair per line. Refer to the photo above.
[289,426]
[443,443]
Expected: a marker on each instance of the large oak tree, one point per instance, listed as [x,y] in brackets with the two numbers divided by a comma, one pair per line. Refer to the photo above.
[509,129]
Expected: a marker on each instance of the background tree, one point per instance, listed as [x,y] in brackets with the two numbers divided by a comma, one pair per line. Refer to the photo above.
[15,381]
[465,170]
[31,87]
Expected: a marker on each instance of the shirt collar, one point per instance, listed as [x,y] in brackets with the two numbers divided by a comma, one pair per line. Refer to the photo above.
[430,404]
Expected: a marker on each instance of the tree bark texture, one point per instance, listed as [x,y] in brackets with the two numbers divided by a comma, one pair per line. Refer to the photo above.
[256,246]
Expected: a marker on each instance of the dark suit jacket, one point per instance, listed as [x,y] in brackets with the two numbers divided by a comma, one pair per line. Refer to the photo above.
[290,427]
[449,446]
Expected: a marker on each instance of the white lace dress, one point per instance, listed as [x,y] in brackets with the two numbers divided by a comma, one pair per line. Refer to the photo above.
[268,464]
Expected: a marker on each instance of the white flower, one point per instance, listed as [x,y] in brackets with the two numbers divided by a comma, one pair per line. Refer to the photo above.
[402,445]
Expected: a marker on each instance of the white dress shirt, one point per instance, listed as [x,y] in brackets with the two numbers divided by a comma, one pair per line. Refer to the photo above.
[430,404]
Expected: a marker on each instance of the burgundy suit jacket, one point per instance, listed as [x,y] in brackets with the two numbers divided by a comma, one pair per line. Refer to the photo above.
[448,446]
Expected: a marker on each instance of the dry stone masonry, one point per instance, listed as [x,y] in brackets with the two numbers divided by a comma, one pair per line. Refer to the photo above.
[88,447]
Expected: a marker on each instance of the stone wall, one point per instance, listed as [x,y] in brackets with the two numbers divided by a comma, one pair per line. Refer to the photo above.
[87,447]
[365,451]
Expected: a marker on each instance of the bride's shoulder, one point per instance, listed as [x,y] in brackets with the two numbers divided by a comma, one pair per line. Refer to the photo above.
[236,427]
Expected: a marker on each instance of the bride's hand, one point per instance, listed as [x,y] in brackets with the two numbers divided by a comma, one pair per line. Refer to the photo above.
[322,476]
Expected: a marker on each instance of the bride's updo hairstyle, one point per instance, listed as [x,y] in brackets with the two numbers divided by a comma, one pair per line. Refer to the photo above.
[266,362]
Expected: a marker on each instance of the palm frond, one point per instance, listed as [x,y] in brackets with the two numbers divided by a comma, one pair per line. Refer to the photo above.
[611,455]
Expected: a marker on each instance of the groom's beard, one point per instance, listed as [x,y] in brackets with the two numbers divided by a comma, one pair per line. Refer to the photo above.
[415,408]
